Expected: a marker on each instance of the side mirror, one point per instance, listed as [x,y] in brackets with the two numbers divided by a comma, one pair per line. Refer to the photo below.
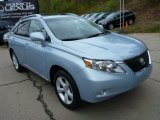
[37,36]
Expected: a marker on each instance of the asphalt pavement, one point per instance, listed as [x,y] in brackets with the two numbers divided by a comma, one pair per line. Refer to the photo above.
[26,96]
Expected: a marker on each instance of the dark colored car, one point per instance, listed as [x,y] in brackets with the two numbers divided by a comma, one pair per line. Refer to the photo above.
[3,30]
[113,20]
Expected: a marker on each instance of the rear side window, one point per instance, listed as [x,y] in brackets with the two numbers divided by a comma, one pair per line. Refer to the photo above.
[22,29]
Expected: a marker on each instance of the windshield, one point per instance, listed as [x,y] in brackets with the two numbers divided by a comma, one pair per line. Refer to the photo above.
[111,16]
[106,14]
[73,28]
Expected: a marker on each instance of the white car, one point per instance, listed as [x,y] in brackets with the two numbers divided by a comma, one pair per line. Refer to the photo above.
[6,37]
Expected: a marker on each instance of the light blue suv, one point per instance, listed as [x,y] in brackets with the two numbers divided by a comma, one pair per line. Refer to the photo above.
[81,59]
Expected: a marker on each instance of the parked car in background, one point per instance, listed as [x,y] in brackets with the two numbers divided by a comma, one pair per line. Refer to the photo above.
[88,15]
[68,14]
[101,17]
[82,60]
[6,37]
[113,20]
[85,16]
[92,16]
[96,16]
[3,30]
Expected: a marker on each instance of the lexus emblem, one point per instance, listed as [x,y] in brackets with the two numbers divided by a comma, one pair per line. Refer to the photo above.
[142,61]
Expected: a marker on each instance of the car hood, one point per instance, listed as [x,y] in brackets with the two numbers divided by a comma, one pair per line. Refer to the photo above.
[112,46]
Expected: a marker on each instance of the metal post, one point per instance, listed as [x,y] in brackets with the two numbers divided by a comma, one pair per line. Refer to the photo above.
[120,14]
[123,14]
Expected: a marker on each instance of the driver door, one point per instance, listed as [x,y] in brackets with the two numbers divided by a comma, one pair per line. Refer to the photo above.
[35,52]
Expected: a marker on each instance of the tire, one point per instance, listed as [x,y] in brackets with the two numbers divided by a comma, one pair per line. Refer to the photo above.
[7,44]
[130,21]
[15,62]
[110,26]
[1,43]
[66,90]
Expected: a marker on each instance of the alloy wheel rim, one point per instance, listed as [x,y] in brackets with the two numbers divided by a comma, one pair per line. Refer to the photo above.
[15,62]
[64,90]
[111,26]
[130,22]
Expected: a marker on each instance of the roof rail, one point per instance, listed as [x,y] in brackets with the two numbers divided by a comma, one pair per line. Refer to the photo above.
[33,15]
[46,14]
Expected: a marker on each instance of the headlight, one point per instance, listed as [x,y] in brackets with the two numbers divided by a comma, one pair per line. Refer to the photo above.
[103,65]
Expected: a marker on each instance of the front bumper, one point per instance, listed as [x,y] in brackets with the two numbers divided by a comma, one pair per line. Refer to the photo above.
[96,86]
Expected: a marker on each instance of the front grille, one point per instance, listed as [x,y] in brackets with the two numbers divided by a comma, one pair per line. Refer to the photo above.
[138,63]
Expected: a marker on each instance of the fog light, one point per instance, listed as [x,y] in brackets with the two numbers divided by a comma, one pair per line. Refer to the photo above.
[102,93]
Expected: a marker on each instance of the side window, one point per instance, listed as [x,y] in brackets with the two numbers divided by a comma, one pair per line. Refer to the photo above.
[126,14]
[22,29]
[2,28]
[36,26]
[15,30]
[118,17]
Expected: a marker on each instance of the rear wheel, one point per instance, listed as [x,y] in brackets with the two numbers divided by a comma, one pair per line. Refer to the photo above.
[16,64]
[66,90]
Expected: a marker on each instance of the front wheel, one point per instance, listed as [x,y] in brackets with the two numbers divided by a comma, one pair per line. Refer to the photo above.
[110,26]
[0,43]
[66,90]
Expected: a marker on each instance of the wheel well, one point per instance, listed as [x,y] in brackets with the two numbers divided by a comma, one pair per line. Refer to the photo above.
[10,51]
[53,70]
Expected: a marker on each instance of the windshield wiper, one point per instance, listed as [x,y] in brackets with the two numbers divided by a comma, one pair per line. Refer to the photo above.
[90,36]
[71,39]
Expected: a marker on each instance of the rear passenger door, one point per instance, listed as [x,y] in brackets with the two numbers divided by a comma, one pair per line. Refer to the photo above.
[19,38]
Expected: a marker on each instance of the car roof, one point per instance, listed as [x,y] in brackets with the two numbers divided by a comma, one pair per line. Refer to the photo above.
[49,16]
[59,16]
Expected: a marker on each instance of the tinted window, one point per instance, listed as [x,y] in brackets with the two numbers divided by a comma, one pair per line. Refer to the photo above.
[106,14]
[128,13]
[2,28]
[89,15]
[36,26]
[97,15]
[73,28]
[111,16]
[22,28]
[93,16]
[118,16]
